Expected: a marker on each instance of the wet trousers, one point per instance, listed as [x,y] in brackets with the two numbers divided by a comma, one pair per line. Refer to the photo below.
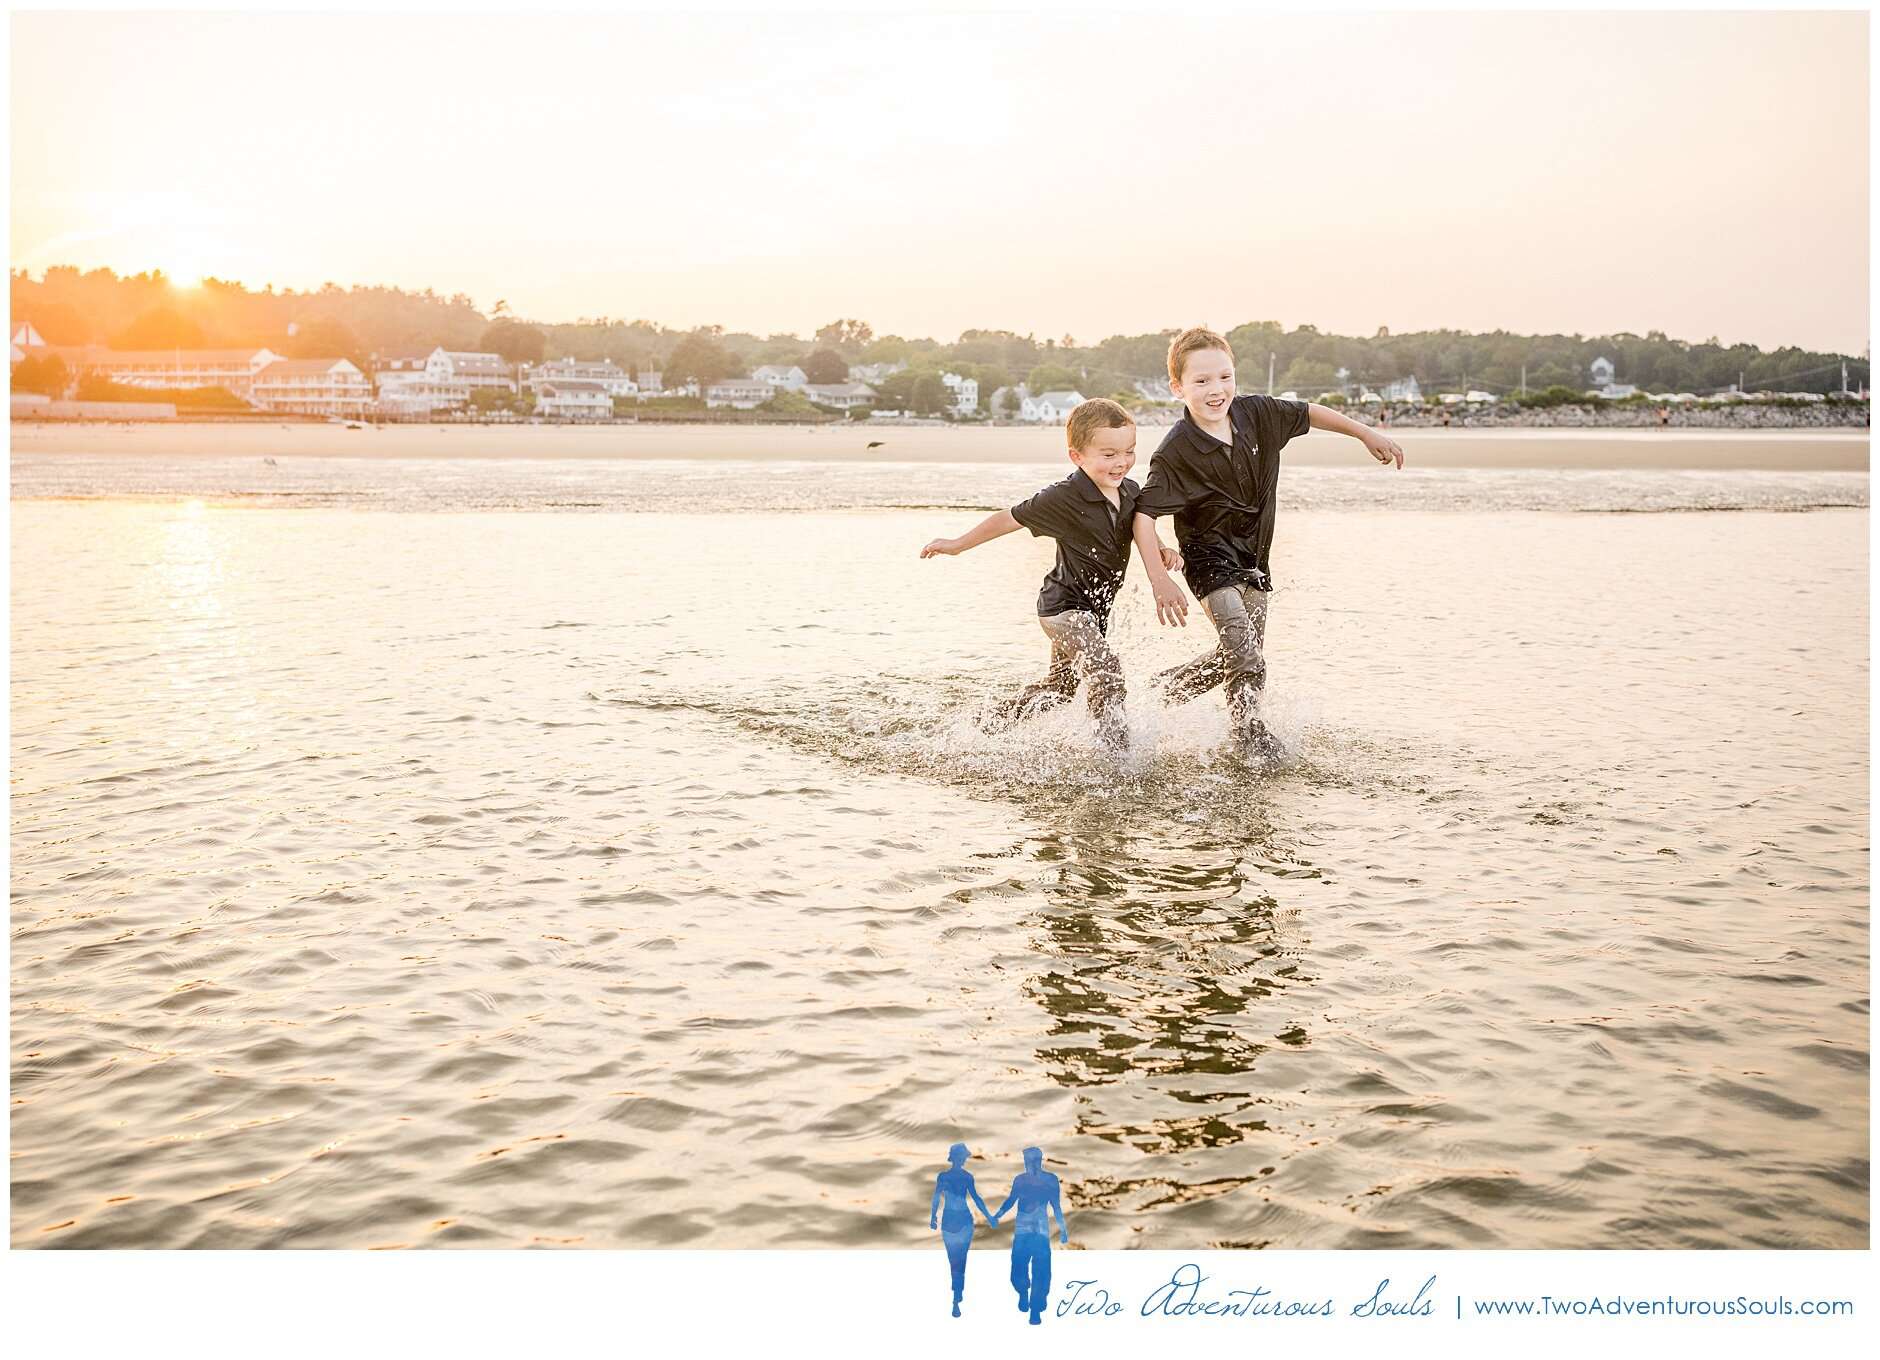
[1079,651]
[1238,613]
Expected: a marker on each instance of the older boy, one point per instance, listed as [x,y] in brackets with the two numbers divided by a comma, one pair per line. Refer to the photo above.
[1217,473]
[1089,514]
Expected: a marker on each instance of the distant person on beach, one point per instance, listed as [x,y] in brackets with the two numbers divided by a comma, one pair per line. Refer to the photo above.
[1217,473]
[1664,416]
[955,1186]
[1089,514]
[1035,1191]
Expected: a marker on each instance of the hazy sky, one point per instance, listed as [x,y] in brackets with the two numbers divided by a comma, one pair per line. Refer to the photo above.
[1699,174]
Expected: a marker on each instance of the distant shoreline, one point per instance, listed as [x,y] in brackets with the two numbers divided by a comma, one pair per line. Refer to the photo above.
[1785,450]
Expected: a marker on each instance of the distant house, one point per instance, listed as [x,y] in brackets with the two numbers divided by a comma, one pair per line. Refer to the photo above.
[407,388]
[1050,408]
[1403,389]
[573,399]
[742,394]
[790,378]
[25,336]
[965,393]
[840,396]
[470,368]
[603,371]
[1602,373]
[650,382]
[231,369]
[312,387]
[873,374]
[1007,402]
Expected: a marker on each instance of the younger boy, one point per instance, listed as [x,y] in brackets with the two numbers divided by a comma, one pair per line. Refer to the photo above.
[1217,473]
[1089,514]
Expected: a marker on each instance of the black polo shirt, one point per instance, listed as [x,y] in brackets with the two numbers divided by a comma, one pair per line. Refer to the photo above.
[1223,496]
[1093,542]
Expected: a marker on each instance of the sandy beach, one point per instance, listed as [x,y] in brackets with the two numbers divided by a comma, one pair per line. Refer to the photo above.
[1586,449]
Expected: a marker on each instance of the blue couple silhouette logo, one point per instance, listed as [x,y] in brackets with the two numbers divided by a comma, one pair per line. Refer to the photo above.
[1035,1193]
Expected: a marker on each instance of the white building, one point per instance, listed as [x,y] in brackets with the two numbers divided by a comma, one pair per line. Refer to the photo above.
[1008,401]
[1403,389]
[406,387]
[840,396]
[965,393]
[469,368]
[1051,408]
[1603,385]
[313,387]
[791,379]
[573,399]
[603,371]
[232,369]
[26,336]
[873,374]
[742,394]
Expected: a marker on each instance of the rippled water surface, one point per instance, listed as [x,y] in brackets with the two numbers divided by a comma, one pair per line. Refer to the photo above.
[641,879]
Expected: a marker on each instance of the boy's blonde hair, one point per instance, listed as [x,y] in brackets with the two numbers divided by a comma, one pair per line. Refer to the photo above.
[1099,413]
[1193,341]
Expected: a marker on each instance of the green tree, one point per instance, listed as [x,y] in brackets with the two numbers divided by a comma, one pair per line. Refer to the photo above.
[846,332]
[929,396]
[41,373]
[698,358]
[888,349]
[896,391]
[826,366]
[1308,375]
[324,338]
[517,343]
[1052,378]
[159,328]
[787,403]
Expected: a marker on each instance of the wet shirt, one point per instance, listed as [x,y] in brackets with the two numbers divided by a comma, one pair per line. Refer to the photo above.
[1093,542]
[1223,496]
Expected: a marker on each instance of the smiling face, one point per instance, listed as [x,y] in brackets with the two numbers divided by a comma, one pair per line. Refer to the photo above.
[1107,456]
[1206,385]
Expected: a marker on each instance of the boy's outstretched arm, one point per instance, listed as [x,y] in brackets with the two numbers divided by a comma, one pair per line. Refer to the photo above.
[1382,447]
[993,525]
[1171,606]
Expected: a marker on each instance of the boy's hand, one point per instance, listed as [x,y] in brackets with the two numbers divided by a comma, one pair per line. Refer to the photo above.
[1171,560]
[940,546]
[1171,606]
[1383,448]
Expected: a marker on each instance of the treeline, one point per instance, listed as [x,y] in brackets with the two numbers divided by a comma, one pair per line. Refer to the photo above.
[146,311]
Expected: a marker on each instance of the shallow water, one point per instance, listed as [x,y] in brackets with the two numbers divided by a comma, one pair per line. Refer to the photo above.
[641,879]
